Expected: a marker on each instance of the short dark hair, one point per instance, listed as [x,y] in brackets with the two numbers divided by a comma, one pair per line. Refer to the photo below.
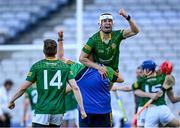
[50,47]
[8,82]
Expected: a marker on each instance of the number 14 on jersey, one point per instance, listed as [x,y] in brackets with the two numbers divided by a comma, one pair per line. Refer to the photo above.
[55,81]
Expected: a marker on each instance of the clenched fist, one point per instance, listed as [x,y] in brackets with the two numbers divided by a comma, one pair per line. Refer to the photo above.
[123,13]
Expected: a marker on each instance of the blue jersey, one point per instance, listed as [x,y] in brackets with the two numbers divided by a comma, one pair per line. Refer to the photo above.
[95,92]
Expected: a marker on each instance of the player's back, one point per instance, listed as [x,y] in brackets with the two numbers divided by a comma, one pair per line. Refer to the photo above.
[50,77]
[153,85]
[95,92]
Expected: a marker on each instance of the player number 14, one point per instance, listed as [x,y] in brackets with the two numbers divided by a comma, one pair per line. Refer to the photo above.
[53,81]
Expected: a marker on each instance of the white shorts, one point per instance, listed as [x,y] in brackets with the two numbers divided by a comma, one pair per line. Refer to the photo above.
[71,115]
[141,118]
[46,119]
[158,115]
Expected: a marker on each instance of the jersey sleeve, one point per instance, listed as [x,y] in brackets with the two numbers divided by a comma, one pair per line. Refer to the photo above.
[88,46]
[112,75]
[31,74]
[70,75]
[135,86]
[121,34]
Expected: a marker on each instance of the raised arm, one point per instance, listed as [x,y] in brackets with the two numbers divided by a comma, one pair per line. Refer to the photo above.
[133,27]
[78,96]
[60,49]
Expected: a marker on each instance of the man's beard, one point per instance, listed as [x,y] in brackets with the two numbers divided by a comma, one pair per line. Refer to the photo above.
[107,32]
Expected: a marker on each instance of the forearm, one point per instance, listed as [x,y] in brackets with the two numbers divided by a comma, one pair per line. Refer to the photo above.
[78,97]
[133,26]
[121,88]
[60,51]
[89,63]
[141,93]
[19,93]
[176,99]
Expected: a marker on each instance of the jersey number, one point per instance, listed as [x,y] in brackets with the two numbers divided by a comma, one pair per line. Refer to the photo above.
[53,81]
[34,96]
[153,89]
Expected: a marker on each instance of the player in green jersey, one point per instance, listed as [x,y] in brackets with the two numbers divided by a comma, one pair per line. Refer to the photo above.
[94,85]
[104,45]
[51,88]
[30,100]
[147,87]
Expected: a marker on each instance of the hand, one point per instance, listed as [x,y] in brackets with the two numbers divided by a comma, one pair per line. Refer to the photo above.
[155,96]
[60,34]
[11,105]
[103,71]
[123,13]
[83,114]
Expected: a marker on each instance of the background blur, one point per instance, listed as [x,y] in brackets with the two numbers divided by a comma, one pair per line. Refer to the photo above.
[24,24]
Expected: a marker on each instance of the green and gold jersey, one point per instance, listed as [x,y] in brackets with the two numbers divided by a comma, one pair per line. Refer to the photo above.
[151,85]
[107,54]
[31,94]
[76,68]
[50,77]
[70,101]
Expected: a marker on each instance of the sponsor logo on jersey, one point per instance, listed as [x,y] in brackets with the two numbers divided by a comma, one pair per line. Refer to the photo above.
[113,46]
[29,74]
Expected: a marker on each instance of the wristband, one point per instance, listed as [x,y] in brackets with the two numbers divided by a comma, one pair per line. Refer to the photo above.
[128,18]
[60,39]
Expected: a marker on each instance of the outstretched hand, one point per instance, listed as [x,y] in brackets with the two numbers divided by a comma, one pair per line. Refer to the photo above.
[123,13]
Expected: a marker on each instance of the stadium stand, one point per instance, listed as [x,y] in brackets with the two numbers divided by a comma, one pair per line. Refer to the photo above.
[16,15]
[158,38]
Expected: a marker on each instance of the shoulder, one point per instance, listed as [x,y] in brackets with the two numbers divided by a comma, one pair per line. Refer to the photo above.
[120,31]
[95,36]
[38,62]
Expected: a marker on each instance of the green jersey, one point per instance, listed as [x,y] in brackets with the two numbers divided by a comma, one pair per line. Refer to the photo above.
[50,77]
[151,85]
[71,102]
[31,94]
[105,53]
[76,68]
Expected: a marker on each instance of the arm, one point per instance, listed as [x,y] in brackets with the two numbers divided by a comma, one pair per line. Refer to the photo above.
[173,99]
[19,93]
[121,88]
[119,78]
[60,48]
[68,88]
[78,97]
[141,93]
[84,59]
[133,27]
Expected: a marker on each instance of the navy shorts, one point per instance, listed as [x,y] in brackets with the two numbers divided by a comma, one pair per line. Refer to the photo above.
[96,120]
